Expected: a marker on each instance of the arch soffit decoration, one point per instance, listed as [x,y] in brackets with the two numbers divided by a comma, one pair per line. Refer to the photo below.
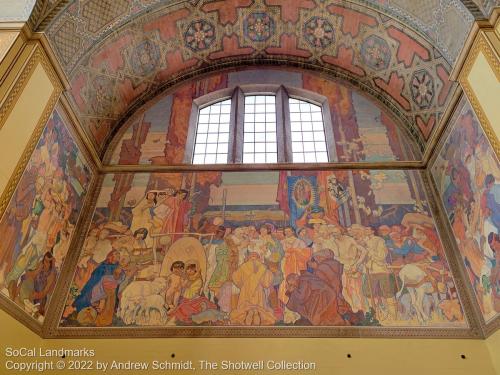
[113,73]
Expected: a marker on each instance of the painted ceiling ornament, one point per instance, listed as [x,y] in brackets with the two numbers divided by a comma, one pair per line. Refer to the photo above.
[375,52]
[101,94]
[422,88]
[199,35]
[258,26]
[145,58]
[319,32]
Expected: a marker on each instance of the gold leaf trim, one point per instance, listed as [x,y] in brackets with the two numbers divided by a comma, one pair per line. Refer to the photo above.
[37,57]
[481,45]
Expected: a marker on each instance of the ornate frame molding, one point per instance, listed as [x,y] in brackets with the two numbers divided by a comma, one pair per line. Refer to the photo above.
[81,134]
[437,133]
[81,223]
[481,45]
[52,329]
[37,57]
[494,324]
[8,305]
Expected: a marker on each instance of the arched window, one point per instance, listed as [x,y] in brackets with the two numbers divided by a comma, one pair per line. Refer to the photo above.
[212,134]
[260,144]
[308,132]
[261,125]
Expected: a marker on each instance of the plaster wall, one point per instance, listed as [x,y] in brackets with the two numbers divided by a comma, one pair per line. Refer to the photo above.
[493,344]
[373,356]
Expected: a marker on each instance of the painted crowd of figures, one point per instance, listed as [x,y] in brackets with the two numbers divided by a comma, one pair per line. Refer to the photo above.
[162,269]
[40,219]
[468,176]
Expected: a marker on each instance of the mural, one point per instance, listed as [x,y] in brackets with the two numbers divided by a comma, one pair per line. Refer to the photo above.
[296,248]
[362,130]
[40,219]
[467,174]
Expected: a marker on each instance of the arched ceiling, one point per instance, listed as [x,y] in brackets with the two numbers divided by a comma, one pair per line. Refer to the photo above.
[119,53]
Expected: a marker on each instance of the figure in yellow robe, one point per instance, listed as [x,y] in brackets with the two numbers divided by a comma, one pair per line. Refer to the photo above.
[252,278]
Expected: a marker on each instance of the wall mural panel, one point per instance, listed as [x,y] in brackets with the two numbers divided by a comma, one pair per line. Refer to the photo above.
[362,130]
[40,220]
[278,248]
[467,174]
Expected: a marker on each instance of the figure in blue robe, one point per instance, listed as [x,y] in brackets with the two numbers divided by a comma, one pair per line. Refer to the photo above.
[409,246]
[494,207]
[85,297]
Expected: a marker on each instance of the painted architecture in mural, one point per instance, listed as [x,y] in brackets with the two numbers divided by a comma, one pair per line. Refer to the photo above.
[362,130]
[467,174]
[296,248]
[39,222]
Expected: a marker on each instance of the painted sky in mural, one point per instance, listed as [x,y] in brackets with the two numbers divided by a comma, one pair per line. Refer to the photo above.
[40,219]
[362,130]
[467,174]
[296,248]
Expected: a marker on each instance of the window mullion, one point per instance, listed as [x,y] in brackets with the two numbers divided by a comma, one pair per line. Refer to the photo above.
[191,136]
[284,153]
[233,127]
[237,125]
[328,127]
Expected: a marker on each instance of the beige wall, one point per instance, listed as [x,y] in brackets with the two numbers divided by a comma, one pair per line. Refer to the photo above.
[7,38]
[493,344]
[369,356]
[22,120]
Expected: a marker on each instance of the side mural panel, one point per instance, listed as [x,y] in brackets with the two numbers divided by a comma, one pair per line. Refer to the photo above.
[297,248]
[467,174]
[40,219]
[362,131]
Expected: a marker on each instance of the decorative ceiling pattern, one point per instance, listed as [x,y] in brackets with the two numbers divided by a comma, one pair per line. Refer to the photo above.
[156,49]
[445,22]
[486,6]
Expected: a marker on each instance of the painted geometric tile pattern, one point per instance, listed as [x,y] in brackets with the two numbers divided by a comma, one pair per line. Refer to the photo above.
[258,26]
[487,6]
[361,46]
[101,12]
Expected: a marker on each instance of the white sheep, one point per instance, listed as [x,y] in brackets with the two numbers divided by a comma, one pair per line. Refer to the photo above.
[152,311]
[133,299]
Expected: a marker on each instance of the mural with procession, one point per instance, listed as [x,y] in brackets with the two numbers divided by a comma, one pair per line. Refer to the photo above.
[40,219]
[467,173]
[277,248]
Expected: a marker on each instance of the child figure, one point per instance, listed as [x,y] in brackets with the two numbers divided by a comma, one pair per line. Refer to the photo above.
[174,284]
